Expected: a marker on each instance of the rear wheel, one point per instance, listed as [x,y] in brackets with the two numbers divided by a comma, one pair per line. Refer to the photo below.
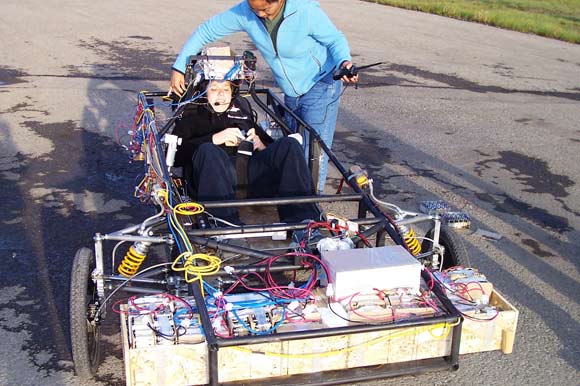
[84,326]
[455,252]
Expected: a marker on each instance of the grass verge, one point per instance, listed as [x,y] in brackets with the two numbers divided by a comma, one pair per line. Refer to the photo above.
[558,19]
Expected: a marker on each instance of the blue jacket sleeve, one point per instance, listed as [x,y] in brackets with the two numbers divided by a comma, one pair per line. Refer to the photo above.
[219,26]
[323,30]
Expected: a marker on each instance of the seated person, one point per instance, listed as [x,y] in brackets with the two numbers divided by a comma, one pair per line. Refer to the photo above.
[210,135]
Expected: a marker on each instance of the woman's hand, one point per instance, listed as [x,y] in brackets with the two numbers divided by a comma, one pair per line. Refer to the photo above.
[258,144]
[177,83]
[232,136]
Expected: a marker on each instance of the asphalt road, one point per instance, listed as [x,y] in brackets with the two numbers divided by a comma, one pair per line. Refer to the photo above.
[484,118]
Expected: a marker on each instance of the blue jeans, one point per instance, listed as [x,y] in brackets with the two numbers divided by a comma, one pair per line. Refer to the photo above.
[319,108]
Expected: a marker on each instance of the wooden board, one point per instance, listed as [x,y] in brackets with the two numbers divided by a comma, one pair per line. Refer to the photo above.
[498,334]
[187,364]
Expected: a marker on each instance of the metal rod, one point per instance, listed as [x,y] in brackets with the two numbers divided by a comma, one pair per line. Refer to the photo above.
[228,248]
[154,272]
[246,229]
[415,219]
[141,290]
[134,280]
[326,332]
[268,228]
[453,358]
[121,237]
[455,346]
[281,200]
[241,270]
[212,343]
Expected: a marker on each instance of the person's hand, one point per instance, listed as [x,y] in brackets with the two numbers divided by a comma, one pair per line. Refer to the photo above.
[177,83]
[258,144]
[346,79]
[232,136]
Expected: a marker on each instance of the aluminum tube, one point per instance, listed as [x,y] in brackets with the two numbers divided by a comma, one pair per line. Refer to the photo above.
[415,219]
[141,290]
[241,270]
[245,229]
[212,343]
[229,248]
[281,200]
[134,280]
[118,237]
[325,332]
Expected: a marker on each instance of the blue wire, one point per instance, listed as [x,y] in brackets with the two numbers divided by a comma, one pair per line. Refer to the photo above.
[193,98]
[232,71]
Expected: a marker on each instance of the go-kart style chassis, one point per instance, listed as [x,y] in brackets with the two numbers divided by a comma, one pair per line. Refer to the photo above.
[95,283]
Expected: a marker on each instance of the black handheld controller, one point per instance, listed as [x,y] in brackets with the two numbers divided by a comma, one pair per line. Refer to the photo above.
[349,72]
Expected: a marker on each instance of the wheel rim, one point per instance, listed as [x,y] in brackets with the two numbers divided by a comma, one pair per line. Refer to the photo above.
[84,321]
[93,330]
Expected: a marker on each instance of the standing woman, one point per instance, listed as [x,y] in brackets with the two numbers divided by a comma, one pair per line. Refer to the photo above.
[301,46]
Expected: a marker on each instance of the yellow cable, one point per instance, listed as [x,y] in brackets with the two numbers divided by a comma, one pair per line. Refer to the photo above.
[405,332]
[188,208]
[195,272]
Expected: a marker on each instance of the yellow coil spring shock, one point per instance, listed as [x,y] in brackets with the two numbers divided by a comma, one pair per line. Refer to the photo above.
[133,259]
[410,240]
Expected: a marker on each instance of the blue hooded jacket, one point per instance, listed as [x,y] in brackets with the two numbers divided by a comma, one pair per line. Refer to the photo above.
[309,45]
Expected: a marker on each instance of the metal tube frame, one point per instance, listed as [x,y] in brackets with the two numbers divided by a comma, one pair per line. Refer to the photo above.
[451,361]
[380,224]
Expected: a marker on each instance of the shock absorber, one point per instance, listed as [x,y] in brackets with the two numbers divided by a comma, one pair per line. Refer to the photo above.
[133,259]
[408,234]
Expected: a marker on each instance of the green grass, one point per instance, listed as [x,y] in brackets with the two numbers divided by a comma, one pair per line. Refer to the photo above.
[558,19]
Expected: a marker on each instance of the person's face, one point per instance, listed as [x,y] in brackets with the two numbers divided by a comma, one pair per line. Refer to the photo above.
[219,95]
[264,9]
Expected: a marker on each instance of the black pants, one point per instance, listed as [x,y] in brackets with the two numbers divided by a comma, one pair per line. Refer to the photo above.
[279,170]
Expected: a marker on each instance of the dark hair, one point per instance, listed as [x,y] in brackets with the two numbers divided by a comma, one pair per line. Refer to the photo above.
[269,1]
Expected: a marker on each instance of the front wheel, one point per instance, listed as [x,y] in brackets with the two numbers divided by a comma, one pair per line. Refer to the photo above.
[84,324]
[455,253]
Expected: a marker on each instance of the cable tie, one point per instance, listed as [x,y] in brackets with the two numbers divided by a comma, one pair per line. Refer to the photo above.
[217,294]
[229,269]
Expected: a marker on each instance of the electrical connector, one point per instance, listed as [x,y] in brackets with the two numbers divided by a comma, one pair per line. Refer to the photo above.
[329,291]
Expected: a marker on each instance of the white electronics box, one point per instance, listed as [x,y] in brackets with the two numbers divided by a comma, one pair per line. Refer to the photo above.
[363,270]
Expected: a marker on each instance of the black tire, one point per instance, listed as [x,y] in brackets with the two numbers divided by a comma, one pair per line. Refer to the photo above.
[455,252]
[84,330]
